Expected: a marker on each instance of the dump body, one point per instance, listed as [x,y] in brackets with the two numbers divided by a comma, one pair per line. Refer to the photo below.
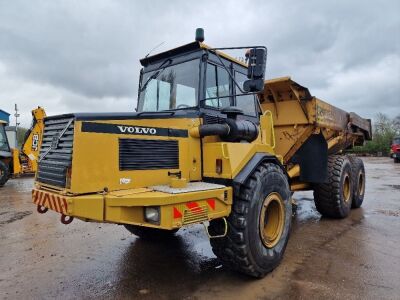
[302,123]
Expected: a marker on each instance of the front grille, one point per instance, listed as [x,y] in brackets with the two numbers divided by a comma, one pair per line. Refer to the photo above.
[137,154]
[195,215]
[56,151]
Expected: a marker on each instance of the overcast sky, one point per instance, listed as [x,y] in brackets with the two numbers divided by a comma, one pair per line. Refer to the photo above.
[72,56]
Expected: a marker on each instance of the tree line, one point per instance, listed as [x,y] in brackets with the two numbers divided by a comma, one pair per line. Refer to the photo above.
[384,129]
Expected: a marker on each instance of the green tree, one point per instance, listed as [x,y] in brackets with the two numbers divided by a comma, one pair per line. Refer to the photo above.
[20,135]
[384,130]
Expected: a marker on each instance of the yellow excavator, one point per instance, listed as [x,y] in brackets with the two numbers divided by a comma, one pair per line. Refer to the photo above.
[15,162]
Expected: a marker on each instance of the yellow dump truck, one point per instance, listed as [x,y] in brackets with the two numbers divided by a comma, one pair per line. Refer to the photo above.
[211,142]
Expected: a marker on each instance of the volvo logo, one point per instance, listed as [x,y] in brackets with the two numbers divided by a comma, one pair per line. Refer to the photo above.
[137,130]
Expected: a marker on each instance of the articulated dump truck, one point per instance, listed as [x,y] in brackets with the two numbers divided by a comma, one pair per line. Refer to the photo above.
[211,143]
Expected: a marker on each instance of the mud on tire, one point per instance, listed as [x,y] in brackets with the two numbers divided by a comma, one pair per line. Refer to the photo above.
[4,173]
[246,247]
[150,233]
[333,199]
[358,179]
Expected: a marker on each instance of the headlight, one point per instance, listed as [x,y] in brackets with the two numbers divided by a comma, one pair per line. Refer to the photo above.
[152,214]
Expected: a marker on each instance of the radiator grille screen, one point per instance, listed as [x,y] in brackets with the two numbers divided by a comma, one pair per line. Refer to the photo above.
[137,154]
[56,151]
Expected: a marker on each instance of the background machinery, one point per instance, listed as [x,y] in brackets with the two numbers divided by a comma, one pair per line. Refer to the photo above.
[395,149]
[211,142]
[15,162]
[5,154]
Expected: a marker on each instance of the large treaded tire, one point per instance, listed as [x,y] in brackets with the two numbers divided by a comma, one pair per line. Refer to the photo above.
[329,197]
[242,249]
[4,173]
[358,178]
[396,160]
[149,233]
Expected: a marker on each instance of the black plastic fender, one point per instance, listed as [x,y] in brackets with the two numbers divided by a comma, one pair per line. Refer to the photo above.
[253,163]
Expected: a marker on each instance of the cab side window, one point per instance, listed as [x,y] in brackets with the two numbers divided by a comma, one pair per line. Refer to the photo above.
[247,103]
[217,85]
[3,139]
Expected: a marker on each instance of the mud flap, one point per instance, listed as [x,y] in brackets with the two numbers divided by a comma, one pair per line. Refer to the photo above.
[313,159]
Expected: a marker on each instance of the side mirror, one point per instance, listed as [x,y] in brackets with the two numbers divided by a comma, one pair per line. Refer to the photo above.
[257,58]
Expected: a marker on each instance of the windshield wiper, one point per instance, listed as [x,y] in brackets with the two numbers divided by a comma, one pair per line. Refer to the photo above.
[156,74]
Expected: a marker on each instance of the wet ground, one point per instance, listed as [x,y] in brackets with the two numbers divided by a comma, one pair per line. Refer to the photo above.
[355,258]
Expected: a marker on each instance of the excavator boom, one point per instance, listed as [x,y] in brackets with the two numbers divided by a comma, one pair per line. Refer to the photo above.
[26,161]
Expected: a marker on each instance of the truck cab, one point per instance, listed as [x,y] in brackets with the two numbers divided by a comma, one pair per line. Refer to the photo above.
[193,78]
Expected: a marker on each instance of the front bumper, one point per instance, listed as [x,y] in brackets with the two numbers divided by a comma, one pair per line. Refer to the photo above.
[127,206]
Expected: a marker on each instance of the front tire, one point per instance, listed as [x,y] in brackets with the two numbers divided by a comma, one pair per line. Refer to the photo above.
[4,173]
[333,198]
[259,224]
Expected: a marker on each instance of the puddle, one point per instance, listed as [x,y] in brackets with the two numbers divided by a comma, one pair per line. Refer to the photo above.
[12,216]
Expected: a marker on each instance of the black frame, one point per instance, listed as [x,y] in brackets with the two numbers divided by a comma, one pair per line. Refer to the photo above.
[3,129]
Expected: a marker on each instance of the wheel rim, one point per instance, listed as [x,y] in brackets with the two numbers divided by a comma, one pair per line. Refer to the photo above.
[361,184]
[346,188]
[272,219]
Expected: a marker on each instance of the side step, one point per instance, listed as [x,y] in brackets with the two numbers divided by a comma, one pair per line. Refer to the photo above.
[191,187]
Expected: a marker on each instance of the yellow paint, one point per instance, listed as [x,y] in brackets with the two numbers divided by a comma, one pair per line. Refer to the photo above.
[95,163]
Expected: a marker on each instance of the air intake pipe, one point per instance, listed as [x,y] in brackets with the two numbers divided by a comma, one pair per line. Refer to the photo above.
[232,130]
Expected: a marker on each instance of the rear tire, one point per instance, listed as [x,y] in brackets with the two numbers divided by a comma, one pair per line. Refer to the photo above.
[333,198]
[358,178]
[4,173]
[149,233]
[259,224]
[397,160]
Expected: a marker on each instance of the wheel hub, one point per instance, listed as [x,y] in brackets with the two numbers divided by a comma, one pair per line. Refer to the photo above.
[361,184]
[346,188]
[272,220]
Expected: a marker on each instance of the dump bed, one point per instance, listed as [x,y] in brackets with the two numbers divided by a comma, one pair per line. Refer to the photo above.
[299,116]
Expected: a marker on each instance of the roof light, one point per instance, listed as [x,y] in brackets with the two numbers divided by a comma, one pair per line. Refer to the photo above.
[200,35]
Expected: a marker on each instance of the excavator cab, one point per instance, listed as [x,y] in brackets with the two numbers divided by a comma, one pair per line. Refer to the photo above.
[5,155]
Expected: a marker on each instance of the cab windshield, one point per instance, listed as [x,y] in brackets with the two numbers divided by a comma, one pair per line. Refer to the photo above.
[3,140]
[171,87]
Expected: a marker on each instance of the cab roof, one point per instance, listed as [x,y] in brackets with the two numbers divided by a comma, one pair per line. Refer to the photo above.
[187,48]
